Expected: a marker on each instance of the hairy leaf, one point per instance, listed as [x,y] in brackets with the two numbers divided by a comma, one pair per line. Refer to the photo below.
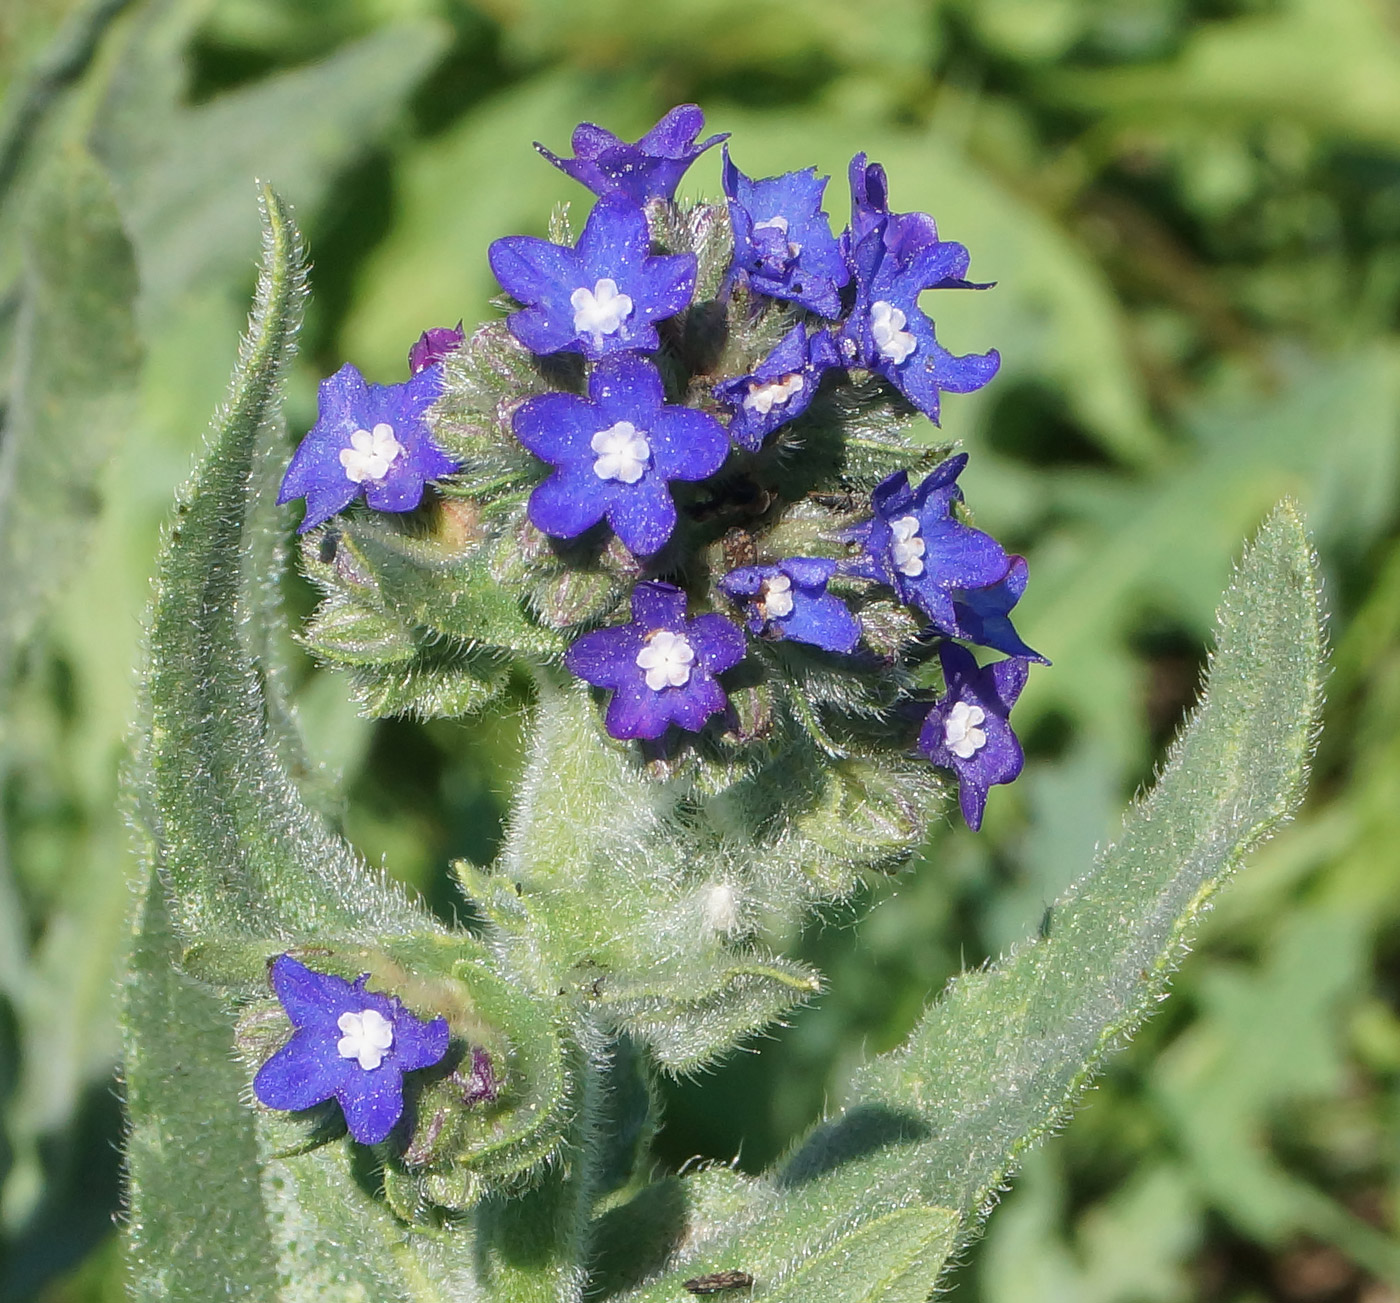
[998,1061]
[241,851]
[195,1225]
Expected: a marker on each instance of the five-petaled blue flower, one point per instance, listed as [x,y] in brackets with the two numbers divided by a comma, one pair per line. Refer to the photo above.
[348,1044]
[599,297]
[783,240]
[649,169]
[914,544]
[661,667]
[370,439]
[433,345]
[789,600]
[967,730]
[983,614]
[780,388]
[889,332]
[615,452]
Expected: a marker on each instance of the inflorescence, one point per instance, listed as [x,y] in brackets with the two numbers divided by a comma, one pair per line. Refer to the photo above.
[617,436]
[713,402]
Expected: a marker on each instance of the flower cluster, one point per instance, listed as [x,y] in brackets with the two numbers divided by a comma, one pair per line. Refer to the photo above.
[664,487]
[689,455]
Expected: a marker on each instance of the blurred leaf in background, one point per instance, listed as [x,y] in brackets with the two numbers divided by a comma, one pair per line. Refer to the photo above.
[1192,211]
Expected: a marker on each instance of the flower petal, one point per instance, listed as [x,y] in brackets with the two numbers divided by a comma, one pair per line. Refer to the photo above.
[372,1102]
[418,1044]
[305,1071]
[567,503]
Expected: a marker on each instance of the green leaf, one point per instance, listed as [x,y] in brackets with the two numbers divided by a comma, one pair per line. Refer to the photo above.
[889,1260]
[183,171]
[77,359]
[1332,65]
[437,585]
[195,1226]
[240,850]
[999,1060]
[693,1012]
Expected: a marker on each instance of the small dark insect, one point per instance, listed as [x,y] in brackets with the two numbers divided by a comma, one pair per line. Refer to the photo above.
[718,1280]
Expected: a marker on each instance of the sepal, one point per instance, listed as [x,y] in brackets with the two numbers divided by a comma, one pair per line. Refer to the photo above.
[692,1012]
[702,229]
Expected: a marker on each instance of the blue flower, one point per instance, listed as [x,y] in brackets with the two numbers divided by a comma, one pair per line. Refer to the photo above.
[349,1044]
[967,730]
[599,297]
[783,240]
[433,345]
[789,600]
[780,388]
[903,234]
[649,169]
[889,333]
[661,667]
[982,614]
[914,544]
[615,453]
[370,439]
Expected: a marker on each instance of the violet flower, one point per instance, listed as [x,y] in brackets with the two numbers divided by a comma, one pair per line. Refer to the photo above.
[349,1044]
[789,600]
[914,544]
[433,345]
[368,439]
[661,667]
[888,332]
[982,614]
[967,730]
[599,297]
[615,452]
[649,169]
[782,238]
[780,388]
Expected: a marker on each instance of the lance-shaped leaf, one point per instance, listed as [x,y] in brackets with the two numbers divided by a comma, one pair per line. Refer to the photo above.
[935,1128]
[217,1206]
[195,1223]
[240,851]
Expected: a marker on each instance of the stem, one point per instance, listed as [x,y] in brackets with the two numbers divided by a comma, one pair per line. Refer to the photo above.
[531,1248]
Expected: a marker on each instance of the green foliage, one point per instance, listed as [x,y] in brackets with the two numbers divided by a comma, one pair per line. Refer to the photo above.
[936,1127]
[599,894]
[76,358]
[1189,210]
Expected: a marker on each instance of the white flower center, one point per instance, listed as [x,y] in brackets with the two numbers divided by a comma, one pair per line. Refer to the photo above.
[601,310]
[961,731]
[777,597]
[763,398]
[887,324]
[370,454]
[623,453]
[368,1036]
[908,548]
[667,658]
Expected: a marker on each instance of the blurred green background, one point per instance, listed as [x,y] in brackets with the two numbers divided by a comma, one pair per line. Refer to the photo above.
[1192,208]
